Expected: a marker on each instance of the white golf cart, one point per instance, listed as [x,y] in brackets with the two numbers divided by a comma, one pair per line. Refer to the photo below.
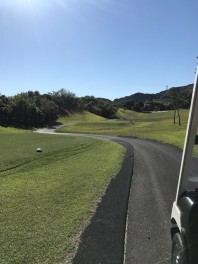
[184,218]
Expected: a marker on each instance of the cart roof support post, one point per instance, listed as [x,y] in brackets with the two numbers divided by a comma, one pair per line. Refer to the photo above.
[189,141]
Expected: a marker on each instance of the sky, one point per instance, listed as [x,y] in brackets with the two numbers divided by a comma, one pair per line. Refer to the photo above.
[104,48]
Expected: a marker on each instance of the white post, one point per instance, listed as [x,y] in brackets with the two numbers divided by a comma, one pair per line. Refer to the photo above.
[189,141]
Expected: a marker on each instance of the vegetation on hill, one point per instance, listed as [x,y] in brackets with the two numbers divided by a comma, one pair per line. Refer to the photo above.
[31,109]
[158,102]
[99,106]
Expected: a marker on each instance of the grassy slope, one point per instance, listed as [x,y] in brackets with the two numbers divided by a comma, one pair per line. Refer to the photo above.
[45,198]
[81,116]
[158,126]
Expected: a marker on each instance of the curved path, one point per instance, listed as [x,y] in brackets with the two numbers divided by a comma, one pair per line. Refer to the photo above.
[155,176]
[153,189]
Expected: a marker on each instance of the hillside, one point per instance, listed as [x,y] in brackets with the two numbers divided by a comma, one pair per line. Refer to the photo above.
[163,96]
[81,116]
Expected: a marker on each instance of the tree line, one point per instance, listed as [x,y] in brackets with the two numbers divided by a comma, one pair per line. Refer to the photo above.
[32,109]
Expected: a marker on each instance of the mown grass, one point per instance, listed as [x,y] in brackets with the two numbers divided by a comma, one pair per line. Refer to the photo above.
[158,126]
[46,198]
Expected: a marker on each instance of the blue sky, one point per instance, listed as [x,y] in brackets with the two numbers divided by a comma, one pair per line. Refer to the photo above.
[105,48]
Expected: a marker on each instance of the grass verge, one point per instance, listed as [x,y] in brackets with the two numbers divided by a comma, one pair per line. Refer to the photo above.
[47,197]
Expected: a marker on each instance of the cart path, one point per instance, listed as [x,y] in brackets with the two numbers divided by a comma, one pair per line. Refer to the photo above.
[155,176]
[153,189]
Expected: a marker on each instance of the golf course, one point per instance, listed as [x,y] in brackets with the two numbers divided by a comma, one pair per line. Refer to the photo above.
[95,97]
[156,125]
[48,198]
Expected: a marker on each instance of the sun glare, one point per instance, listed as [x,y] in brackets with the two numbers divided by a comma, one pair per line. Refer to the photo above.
[27,3]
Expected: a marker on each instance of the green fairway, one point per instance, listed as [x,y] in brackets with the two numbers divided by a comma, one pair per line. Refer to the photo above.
[46,198]
[158,126]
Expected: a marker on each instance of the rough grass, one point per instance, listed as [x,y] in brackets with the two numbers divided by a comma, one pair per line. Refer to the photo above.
[46,198]
[81,116]
[12,130]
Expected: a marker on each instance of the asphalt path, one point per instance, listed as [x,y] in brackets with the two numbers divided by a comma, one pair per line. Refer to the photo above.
[153,189]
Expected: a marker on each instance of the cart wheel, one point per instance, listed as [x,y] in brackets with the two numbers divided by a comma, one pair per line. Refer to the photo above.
[178,249]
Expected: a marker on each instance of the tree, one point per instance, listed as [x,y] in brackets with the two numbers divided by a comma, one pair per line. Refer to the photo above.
[65,100]
[138,106]
[186,98]
[32,110]
[5,110]
[98,106]
[49,111]
[175,101]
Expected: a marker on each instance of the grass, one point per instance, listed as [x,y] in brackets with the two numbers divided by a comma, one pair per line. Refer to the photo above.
[81,116]
[12,130]
[158,126]
[46,198]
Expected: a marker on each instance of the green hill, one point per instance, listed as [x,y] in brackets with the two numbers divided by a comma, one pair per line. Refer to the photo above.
[80,116]
[163,97]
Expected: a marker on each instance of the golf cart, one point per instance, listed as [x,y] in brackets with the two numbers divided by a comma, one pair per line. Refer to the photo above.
[184,217]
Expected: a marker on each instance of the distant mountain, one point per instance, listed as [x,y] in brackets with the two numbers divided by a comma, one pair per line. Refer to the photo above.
[163,96]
